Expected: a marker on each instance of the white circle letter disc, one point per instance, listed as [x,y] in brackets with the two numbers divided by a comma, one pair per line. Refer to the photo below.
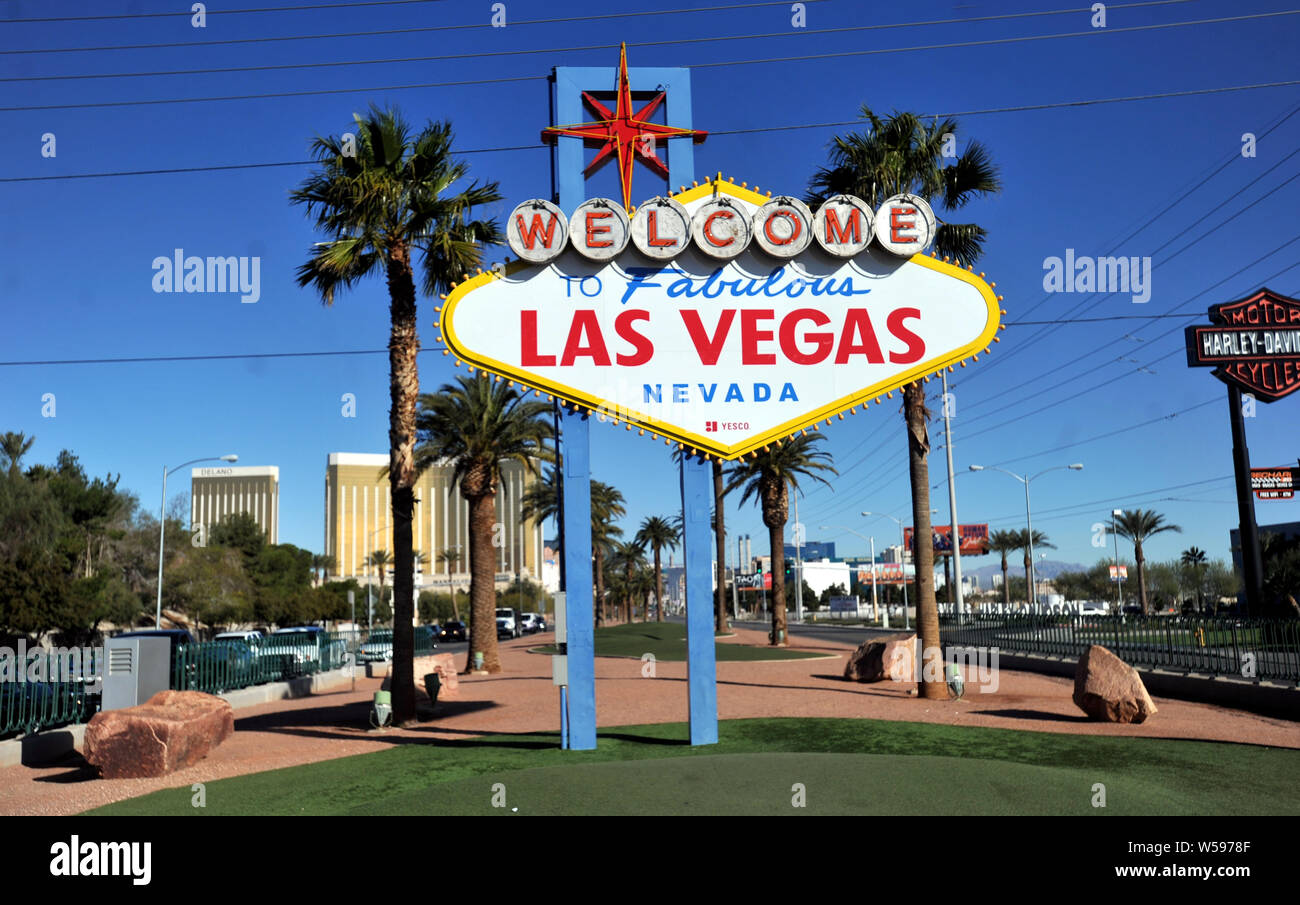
[843,225]
[721,229]
[783,227]
[661,228]
[905,225]
[537,231]
[599,229]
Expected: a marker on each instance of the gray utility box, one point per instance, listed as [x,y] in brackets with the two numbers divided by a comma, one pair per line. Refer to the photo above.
[135,669]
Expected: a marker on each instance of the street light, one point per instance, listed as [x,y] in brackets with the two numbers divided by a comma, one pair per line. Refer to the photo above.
[162,524]
[1029,524]
[902,553]
[1119,581]
[875,606]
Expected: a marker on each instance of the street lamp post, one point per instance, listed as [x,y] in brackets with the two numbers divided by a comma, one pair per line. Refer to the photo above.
[162,524]
[902,546]
[1119,580]
[1029,523]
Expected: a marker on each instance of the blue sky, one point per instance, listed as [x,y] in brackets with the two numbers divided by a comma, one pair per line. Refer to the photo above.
[75,273]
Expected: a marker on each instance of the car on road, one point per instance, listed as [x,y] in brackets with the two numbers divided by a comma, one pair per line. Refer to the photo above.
[452,631]
[532,623]
[379,646]
[505,628]
[513,622]
[305,647]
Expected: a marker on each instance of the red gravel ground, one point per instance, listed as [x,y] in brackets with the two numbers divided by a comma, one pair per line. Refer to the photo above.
[522,699]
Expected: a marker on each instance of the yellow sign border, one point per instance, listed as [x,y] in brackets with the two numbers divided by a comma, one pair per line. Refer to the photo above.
[704,443]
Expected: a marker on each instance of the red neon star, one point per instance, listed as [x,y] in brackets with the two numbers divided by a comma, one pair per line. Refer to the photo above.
[629,135]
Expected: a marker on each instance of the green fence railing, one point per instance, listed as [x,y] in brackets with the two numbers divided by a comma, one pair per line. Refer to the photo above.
[1221,646]
[30,706]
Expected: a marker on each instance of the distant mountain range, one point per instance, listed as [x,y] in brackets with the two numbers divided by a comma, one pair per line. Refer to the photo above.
[1047,568]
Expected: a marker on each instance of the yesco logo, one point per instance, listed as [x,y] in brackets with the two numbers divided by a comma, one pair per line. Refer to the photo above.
[182,273]
[103,859]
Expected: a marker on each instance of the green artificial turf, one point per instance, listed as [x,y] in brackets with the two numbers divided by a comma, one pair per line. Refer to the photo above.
[844,766]
[667,641]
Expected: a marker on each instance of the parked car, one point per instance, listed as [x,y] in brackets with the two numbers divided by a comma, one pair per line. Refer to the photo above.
[304,647]
[249,637]
[453,631]
[379,646]
[505,628]
[512,619]
[530,623]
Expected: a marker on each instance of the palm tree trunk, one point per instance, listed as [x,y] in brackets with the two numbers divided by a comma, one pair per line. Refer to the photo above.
[1029,593]
[404,389]
[601,616]
[1006,585]
[1142,576]
[659,588]
[720,535]
[482,583]
[776,538]
[933,684]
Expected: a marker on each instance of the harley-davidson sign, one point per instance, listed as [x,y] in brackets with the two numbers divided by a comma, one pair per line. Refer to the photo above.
[1253,343]
[721,318]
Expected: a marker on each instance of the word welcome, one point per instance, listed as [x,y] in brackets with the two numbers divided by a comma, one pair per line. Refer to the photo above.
[180,273]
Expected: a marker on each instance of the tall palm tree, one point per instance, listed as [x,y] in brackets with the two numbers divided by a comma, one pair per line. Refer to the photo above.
[395,196]
[769,475]
[1195,559]
[657,533]
[475,425]
[322,564]
[1137,525]
[1004,542]
[718,523]
[606,507]
[449,559]
[13,446]
[627,559]
[1022,543]
[380,560]
[896,154]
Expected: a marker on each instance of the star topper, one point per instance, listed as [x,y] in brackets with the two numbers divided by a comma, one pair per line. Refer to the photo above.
[622,133]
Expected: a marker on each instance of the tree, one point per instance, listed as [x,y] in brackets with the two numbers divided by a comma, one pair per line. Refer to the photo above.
[626,559]
[1137,525]
[13,446]
[835,590]
[382,202]
[322,564]
[476,425]
[380,560]
[606,507]
[1023,543]
[900,153]
[720,540]
[768,476]
[239,531]
[1281,559]
[1195,560]
[658,533]
[450,559]
[1002,543]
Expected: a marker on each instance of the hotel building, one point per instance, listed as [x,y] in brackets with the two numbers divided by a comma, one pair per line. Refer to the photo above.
[216,493]
[358,521]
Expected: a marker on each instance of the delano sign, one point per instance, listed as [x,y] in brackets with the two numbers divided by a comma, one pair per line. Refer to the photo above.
[721,318]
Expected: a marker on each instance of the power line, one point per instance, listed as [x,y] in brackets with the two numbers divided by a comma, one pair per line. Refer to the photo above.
[1093,320]
[429,28]
[223,12]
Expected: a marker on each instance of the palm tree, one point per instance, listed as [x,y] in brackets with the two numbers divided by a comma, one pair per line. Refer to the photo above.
[606,506]
[1195,558]
[769,475]
[476,425]
[901,154]
[449,559]
[1004,542]
[380,203]
[380,560]
[1137,525]
[626,559]
[13,446]
[1023,543]
[658,533]
[719,526]
[322,564]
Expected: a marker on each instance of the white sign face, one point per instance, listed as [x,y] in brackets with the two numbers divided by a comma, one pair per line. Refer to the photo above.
[724,356]
[905,224]
[600,229]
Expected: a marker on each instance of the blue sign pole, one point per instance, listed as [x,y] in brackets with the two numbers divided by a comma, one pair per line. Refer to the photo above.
[575,450]
[701,656]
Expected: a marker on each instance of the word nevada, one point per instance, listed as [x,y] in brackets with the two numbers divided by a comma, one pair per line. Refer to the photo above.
[190,273]
[662,228]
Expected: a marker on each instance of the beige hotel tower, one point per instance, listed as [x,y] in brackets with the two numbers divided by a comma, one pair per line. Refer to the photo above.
[216,493]
[358,521]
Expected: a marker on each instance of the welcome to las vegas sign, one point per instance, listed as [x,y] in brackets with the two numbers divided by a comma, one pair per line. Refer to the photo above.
[720,318]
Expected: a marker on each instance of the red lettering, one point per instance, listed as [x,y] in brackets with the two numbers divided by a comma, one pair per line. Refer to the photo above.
[751,336]
[528,355]
[585,326]
[529,234]
[593,230]
[790,345]
[796,227]
[896,224]
[915,345]
[652,232]
[708,229]
[843,235]
[623,327]
[708,348]
[858,324]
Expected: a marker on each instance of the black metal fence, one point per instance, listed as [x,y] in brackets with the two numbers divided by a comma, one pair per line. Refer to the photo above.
[1221,646]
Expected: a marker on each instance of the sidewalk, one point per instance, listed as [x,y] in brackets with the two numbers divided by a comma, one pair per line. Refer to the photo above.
[522,699]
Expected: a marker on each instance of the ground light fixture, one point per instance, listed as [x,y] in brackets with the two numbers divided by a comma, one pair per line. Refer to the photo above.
[1029,523]
[162,523]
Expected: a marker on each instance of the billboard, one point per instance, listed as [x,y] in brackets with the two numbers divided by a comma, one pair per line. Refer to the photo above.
[720,319]
[1273,483]
[886,573]
[1252,343]
[974,539]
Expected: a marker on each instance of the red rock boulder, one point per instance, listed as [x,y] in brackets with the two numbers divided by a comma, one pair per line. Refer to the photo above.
[1106,688]
[171,731]
[884,658]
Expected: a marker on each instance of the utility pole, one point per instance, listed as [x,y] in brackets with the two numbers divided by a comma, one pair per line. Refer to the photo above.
[1119,581]
[798,562]
[952,503]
